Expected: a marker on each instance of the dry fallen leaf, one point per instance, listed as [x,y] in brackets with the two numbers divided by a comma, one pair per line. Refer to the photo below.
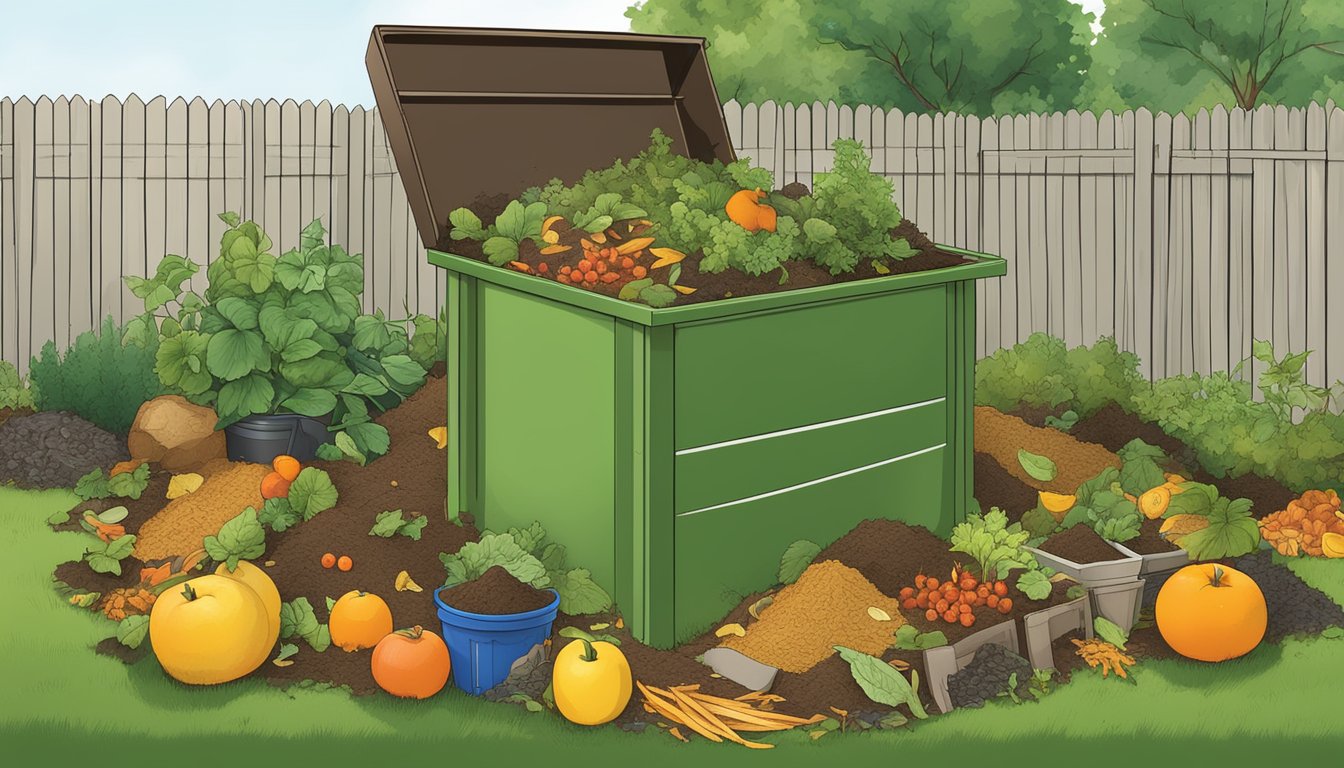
[598,626]
[404,583]
[730,629]
[878,614]
[440,435]
[546,227]
[282,662]
[666,257]
[269,563]
[599,238]
[630,246]
[620,622]
[684,290]
[521,266]
[181,485]
[898,665]
[553,249]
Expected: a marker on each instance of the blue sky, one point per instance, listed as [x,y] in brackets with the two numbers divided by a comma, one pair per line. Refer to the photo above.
[243,48]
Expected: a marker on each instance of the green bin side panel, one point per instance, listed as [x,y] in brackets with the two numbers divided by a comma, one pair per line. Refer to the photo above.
[760,373]
[732,472]
[722,555]
[546,381]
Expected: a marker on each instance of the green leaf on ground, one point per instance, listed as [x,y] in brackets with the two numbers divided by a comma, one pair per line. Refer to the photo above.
[881,682]
[1110,632]
[241,538]
[1039,467]
[795,560]
[132,631]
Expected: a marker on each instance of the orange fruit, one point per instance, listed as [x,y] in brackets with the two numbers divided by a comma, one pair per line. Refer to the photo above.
[1211,612]
[345,563]
[328,560]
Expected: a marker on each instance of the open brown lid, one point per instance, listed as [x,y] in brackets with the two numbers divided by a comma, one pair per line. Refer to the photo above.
[474,113]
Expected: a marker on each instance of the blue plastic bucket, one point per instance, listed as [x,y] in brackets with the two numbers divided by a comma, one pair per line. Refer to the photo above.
[483,647]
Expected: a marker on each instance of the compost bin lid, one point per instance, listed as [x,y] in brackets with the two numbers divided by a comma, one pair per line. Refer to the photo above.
[476,113]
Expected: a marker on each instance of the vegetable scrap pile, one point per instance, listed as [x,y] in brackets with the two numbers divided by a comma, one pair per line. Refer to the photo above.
[992,671]
[716,718]
[495,592]
[1311,525]
[1003,436]
[182,525]
[830,604]
[1099,653]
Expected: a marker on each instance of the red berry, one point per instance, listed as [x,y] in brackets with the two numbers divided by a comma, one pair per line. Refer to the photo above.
[950,616]
[967,620]
[931,615]
[909,604]
[907,592]
[1001,588]
[1005,605]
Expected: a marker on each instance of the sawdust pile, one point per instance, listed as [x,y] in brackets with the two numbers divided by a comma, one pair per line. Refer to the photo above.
[180,527]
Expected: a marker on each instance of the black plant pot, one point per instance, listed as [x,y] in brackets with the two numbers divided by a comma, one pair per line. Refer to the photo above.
[259,439]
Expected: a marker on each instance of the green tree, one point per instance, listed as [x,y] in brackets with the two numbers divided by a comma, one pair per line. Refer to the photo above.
[919,55]
[1185,54]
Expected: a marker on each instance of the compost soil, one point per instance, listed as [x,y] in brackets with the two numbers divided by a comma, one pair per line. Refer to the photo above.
[9,413]
[996,487]
[1112,427]
[496,593]
[1080,544]
[53,449]
[712,286]
[1149,541]
[988,675]
[1076,462]
[419,470]
[827,606]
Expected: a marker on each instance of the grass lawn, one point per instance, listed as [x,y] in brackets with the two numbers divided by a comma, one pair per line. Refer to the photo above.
[59,702]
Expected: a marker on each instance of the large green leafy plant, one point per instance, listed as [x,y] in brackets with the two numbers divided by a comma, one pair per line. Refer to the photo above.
[280,334]
[14,390]
[530,558]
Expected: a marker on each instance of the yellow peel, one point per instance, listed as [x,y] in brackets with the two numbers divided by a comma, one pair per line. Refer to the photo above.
[440,435]
[630,246]
[404,583]
[666,257]
[553,249]
[181,485]
[547,224]
[684,290]
[730,629]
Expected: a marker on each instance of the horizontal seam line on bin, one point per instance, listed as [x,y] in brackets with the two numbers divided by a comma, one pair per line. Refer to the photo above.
[818,481]
[810,427]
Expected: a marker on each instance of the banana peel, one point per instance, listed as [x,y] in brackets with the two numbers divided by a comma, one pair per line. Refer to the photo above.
[404,583]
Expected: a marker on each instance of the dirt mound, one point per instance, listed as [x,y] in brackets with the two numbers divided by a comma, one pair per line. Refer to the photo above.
[1149,541]
[181,526]
[496,592]
[420,472]
[828,605]
[996,487]
[1002,436]
[54,449]
[1112,427]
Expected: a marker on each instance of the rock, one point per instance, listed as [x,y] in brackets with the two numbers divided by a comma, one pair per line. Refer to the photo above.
[175,434]
[988,675]
[741,669]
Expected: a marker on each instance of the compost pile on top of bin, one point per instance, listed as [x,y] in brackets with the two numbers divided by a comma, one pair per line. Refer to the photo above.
[661,229]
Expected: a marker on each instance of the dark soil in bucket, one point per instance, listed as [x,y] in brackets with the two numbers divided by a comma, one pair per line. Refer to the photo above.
[53,449]
[1081,545]
[996,487]
[712,286]
[497,593]
[1149,542]
[1112,427]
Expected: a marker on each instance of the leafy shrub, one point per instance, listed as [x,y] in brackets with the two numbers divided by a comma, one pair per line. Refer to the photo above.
[14,390]
[100,377]
[995,545]
[1042,372]
[280,334]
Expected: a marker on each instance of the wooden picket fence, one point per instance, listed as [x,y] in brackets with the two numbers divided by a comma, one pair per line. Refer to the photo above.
[1184,238]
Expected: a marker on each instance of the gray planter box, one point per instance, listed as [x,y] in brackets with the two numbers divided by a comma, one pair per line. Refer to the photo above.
[1125,568]
[1118,603]
[941,663]
[1044,627]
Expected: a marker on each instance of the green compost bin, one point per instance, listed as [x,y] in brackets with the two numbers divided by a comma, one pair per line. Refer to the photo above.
[674,452]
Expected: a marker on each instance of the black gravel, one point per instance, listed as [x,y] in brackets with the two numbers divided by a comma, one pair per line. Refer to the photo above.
[1294,608]
[987,676]
[54,449]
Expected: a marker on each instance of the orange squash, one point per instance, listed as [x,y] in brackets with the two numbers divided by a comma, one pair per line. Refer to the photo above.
[359,620]
[744,209]
[274,486]
[286,466]
[1211,612]
[411,663]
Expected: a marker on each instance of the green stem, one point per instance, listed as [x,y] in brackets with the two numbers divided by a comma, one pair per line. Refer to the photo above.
[589,652]
[1218,574]
[188,592]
